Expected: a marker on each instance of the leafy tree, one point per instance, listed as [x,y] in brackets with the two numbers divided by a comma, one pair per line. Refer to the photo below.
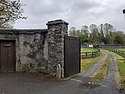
[119,37]
[118,40]
[10,11]
[83,38]
[105,33]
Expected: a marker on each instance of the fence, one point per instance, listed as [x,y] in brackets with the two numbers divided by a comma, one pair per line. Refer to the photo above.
[90,54]
[112,46]
[119,52]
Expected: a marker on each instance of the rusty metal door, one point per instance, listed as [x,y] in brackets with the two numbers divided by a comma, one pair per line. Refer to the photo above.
[7,56]
[71,55]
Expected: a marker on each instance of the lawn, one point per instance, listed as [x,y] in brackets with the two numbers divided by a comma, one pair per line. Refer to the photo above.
[88,49]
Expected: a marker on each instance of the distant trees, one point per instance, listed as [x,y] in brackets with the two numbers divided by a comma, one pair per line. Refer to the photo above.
[108,29]
[119,37]
[72,31]
[85,30]
[94,36]
[104,33]
[83,38]
[10,11]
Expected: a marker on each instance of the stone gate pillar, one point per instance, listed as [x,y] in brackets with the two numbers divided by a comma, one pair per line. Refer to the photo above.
[57,29]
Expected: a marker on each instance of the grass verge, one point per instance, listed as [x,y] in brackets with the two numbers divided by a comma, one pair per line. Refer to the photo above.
[100,74]
[86,63]
[121,68]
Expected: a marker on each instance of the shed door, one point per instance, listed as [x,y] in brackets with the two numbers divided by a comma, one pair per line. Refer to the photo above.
[7,56]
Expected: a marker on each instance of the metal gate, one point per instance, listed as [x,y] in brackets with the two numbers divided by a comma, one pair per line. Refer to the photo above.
[7,56]
[71,55]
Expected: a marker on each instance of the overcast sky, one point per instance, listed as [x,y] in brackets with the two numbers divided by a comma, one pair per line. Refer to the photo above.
[76,12]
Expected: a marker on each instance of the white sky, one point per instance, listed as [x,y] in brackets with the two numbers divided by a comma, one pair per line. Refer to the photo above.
[76,12]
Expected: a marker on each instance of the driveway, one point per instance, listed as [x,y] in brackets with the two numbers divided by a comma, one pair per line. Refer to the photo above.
[19,83]
[12,83]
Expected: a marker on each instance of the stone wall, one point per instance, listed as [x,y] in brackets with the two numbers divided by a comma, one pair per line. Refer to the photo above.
[56,32]
[40,50]
[31,49]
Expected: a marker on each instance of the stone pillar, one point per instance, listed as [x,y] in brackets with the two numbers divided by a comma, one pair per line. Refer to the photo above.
[57,29]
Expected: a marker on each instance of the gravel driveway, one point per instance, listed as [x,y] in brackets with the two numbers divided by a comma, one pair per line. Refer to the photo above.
[19,83]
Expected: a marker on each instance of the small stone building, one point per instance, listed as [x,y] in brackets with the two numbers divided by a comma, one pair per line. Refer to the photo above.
[33,50]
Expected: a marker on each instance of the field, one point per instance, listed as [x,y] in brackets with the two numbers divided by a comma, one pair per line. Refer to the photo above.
[119,51]
[89,52]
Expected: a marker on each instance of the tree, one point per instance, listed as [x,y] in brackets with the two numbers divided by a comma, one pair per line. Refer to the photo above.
[119,37]
[101,34]
[10,11]
[78,33]
[94,36]
[108,29]
[83,38]
[85,30]
[72,31]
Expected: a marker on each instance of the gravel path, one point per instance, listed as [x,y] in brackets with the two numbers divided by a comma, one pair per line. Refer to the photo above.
[95,66]
[112,75]
[108,86]
[87,74]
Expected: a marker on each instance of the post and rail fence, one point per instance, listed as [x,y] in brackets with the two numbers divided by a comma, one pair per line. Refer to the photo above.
[90,54]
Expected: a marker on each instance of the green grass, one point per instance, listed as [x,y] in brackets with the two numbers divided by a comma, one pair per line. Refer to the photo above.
[122,49]
[89,53]
[101,72]
[88,49]
[121,68]
[86,63]
[121,64]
